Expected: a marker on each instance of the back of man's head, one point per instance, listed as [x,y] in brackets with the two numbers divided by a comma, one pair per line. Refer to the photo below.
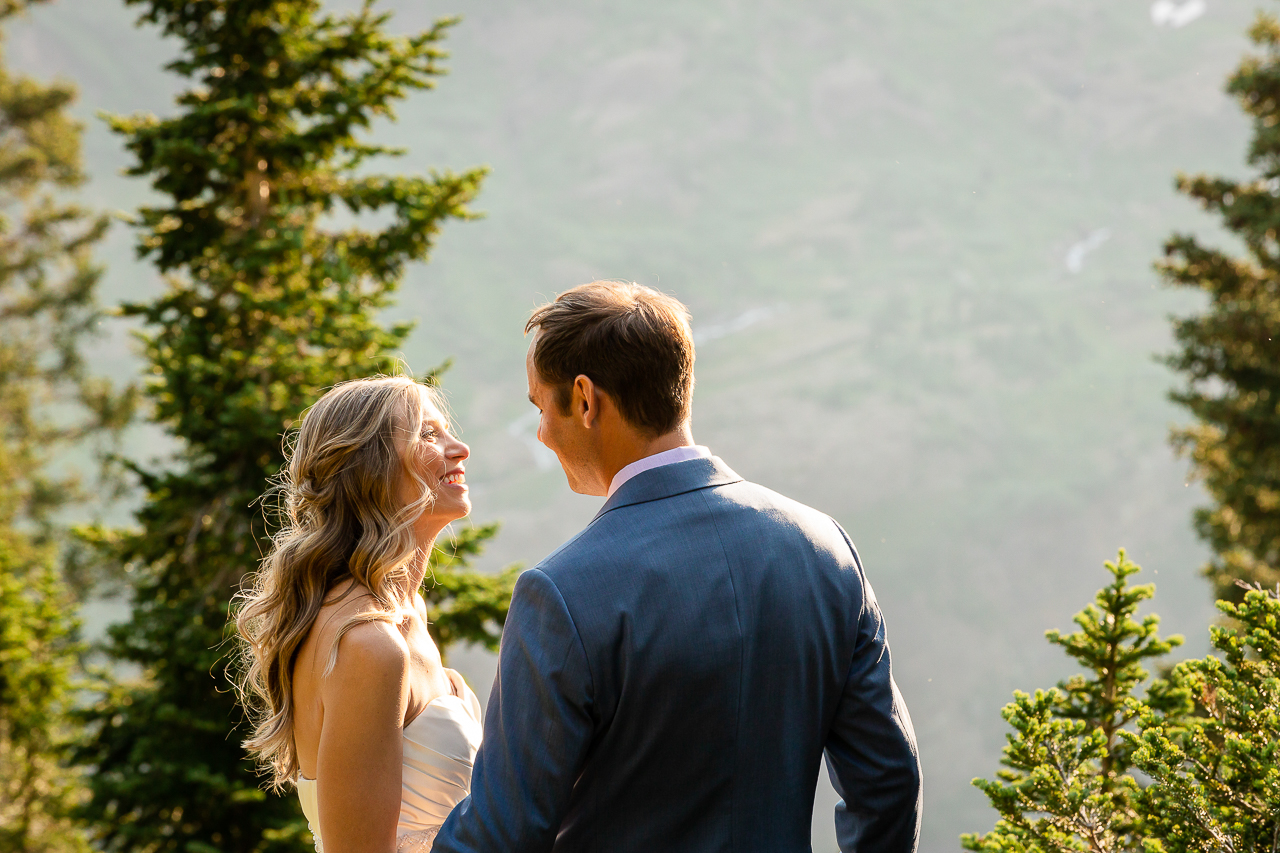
[633,342]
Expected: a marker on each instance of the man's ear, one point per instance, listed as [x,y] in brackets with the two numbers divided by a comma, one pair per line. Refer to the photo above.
[585,403]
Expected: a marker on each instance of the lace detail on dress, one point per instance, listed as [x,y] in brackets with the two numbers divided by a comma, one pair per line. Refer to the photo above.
[419,841]
[411,842]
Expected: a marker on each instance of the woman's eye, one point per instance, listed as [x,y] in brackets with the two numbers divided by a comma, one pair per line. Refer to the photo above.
[429,434]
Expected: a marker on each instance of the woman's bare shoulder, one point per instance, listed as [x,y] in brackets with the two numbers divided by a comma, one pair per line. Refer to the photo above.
[361,678]
[370,672]
[377,642]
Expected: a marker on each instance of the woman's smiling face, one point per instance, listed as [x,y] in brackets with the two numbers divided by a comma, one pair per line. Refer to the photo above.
[433,461]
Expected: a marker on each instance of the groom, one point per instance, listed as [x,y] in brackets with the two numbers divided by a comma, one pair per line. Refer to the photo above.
[672,676]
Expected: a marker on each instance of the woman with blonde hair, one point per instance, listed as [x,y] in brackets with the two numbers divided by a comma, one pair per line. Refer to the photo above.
[352,702]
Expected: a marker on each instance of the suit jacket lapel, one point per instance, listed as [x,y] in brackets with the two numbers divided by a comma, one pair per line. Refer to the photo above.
[669,480]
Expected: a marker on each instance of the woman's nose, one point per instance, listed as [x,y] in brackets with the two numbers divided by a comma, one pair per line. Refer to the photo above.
[460,451]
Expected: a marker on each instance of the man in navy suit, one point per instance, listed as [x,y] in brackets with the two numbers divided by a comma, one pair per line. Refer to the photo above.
[671,678]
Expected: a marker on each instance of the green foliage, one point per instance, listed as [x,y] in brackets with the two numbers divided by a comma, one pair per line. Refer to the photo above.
[1227,354]
[38,653]
[273,291]
[467,606]
[1216,776]
[1068,783]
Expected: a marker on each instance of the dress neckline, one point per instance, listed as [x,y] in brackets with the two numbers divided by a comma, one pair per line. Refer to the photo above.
[418,715]
[415,719]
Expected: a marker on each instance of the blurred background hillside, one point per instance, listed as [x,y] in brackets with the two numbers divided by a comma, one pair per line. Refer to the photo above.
[916,240]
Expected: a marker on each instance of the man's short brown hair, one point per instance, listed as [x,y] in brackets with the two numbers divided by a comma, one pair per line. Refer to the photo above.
[632,341]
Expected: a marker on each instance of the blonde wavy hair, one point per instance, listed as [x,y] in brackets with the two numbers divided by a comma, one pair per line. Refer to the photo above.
[341,518]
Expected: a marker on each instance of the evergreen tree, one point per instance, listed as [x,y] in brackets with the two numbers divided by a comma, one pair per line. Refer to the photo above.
[47,282]
[1216,776]
[1068,785]
[272,296]
[1230,353]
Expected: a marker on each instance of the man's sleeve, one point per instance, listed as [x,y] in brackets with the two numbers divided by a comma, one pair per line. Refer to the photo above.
[536,731]
[871,751]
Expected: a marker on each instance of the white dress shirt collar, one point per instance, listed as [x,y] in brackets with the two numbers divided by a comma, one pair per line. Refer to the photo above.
[657,460]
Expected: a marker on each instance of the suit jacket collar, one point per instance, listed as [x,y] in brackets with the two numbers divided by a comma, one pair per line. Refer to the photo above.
[666,481]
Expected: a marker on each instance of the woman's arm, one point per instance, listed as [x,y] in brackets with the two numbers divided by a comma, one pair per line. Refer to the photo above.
[359,759]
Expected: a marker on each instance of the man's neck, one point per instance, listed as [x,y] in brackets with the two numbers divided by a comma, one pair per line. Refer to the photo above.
[641,447]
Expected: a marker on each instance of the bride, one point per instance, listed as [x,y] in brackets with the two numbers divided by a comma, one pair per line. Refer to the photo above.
[352,702]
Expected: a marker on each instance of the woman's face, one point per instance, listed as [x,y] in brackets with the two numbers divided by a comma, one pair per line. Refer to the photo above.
[437,458]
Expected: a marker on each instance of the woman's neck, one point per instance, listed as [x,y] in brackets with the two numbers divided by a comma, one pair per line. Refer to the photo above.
[417,567]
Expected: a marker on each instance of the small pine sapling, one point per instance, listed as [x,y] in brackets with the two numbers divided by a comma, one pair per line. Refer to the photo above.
[1068,785]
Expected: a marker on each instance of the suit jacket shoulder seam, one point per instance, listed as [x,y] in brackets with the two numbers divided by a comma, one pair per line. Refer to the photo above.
[737,616]
[573,623]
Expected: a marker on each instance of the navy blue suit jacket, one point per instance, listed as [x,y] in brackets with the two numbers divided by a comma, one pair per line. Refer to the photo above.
[670,678]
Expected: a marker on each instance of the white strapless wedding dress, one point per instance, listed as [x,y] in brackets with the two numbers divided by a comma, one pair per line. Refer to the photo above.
[440,747]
